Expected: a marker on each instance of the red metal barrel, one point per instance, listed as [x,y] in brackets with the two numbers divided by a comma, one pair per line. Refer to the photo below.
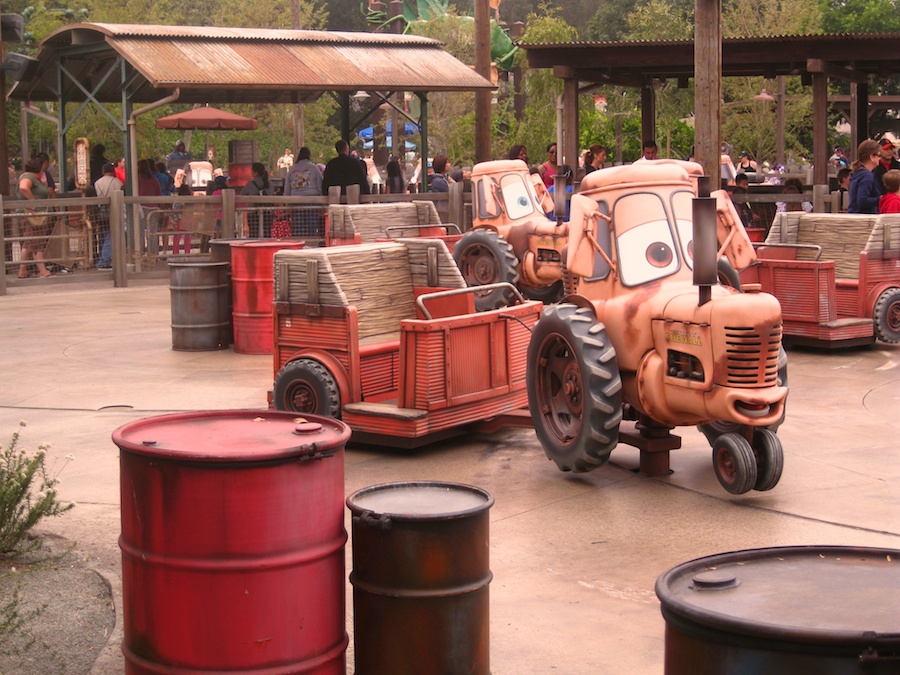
[239,175]
[233,543]
[252,279]
[420,579]
[829,610]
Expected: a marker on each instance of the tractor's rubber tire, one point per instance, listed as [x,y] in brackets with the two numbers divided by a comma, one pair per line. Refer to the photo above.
[306,386]
[769,459]
[574,388]
[734,463]
[726,274]
[712,430]
[484,257]
[547,294]
[886,316]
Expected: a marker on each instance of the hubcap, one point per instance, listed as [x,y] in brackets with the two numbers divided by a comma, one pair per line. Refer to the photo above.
[561,390]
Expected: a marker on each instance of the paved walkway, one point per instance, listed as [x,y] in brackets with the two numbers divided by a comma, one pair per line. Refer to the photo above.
[574,557]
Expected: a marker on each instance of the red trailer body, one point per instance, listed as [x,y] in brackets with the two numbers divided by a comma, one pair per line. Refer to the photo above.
[837,277]
[385,336]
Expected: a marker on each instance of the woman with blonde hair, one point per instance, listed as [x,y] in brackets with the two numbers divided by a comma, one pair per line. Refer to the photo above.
[864,191]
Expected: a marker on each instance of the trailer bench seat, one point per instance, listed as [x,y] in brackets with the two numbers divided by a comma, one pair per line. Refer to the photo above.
[371,221]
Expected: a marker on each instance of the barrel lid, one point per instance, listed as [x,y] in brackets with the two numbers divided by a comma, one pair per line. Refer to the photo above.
[420,499]
[806,594]
[232,436]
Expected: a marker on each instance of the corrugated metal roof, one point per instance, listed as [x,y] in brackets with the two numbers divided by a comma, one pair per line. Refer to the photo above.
[633,62]
[241,65]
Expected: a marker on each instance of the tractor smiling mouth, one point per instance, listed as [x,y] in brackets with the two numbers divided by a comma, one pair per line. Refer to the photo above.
[753,409]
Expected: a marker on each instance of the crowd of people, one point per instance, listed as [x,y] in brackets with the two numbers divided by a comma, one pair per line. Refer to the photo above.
[872,182]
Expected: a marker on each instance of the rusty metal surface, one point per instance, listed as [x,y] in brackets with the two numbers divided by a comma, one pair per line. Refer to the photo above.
[420,579]
[244,65]
[812,609]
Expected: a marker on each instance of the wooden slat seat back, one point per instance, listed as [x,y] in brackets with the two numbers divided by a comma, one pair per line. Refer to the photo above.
[370,221]
[373,278]
[885,235]
[841,236]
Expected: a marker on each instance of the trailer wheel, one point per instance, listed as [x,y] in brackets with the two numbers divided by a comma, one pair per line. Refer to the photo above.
[769,459]
[546,294]
[484,257]
[886,316]
[734,463]
[574,388]
[306,386]
[712,430]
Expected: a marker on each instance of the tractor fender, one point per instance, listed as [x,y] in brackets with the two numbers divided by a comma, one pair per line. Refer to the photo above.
[873,295]
[335,367]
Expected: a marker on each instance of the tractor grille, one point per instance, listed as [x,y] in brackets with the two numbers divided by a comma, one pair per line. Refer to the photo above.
[752,356]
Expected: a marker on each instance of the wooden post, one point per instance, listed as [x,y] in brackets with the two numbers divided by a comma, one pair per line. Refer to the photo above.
[228,213]
[455,206]
[483,68]
[569,150]
[118,246]
[708,87]
[820,129]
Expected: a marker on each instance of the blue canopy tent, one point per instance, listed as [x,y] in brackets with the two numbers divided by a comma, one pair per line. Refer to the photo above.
[408,130]
[368,145]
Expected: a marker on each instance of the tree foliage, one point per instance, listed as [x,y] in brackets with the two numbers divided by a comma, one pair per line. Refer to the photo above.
[861,16]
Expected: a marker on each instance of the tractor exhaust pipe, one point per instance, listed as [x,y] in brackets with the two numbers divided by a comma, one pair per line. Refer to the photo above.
[706,247]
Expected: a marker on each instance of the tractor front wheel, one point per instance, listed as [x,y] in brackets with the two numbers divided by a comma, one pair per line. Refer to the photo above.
[734,463]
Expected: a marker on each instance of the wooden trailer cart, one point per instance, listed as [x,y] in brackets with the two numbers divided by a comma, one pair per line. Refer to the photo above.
[837,277]
[385,336]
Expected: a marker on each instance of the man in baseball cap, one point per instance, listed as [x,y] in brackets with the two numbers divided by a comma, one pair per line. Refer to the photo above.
[888,161]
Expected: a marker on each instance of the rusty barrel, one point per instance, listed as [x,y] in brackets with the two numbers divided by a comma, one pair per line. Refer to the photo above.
[252,279]
[233,543]
[829,610]
[420,579]
[239,174]
[199,299]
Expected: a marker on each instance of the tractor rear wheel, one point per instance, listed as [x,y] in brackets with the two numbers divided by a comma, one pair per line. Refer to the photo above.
[574,388]
[484,257]
[306,386]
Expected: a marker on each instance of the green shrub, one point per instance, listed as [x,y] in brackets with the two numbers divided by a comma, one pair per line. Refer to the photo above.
[27,495]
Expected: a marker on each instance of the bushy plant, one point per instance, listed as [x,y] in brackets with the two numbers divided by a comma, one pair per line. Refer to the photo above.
[27,494]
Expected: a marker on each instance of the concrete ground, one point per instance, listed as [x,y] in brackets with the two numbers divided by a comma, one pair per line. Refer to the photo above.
[574,557]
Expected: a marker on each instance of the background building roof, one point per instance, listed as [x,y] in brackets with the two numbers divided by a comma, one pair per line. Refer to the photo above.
[237,65]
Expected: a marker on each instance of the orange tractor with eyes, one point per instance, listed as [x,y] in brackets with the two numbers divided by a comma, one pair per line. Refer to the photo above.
[652,331]
[512,240]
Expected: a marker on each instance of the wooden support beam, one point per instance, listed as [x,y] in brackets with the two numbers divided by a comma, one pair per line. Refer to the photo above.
[708,87]
[820,129]
[835,72]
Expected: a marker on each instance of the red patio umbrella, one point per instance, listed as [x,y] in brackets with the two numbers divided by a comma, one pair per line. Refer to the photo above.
[205,118]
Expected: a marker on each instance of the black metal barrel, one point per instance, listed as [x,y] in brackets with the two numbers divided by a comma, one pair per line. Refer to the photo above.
[420,579]
[828,610]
